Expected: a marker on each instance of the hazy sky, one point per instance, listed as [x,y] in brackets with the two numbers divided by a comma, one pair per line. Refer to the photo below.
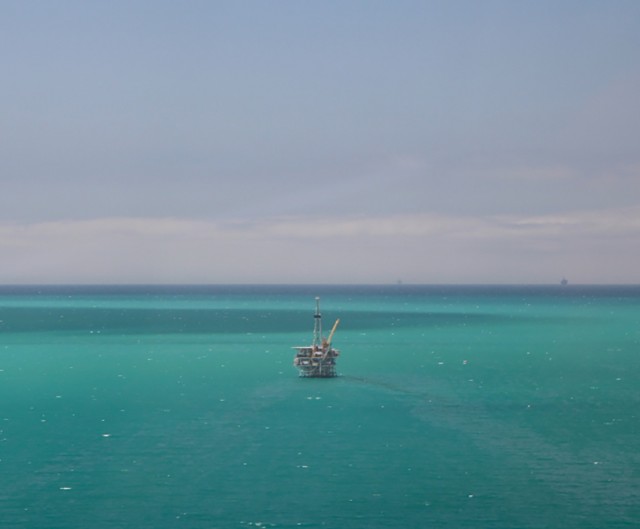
[329,141]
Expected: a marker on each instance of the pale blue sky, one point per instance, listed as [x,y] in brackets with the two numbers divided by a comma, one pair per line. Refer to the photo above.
[433,141]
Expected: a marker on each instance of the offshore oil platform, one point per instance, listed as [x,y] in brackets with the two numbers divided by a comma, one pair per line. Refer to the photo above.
[317,360]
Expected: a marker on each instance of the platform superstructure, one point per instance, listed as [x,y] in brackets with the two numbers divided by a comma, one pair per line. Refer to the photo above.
[318,359]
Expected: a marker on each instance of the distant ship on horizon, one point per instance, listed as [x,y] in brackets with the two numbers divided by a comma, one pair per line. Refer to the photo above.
[564,281]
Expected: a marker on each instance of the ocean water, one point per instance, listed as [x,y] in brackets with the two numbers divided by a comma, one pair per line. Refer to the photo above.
[457,407]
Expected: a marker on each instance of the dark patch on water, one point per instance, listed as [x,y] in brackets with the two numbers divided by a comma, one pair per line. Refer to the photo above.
[223,321]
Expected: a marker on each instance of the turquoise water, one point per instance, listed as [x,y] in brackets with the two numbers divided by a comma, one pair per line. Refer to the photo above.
[460,407]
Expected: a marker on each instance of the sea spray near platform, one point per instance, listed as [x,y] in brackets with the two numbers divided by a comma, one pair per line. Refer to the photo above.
[457,407]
